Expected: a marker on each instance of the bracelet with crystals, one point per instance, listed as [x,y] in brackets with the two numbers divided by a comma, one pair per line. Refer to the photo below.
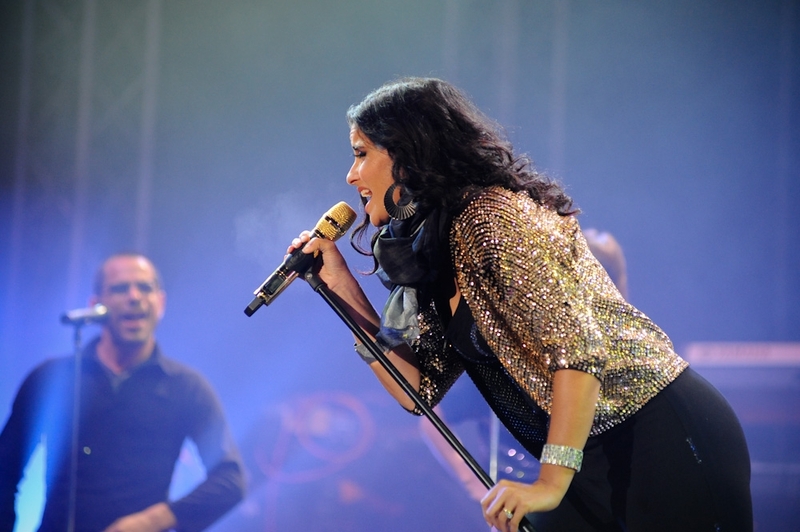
[562,455]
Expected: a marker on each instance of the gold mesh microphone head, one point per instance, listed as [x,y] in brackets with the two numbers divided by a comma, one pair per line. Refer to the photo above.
[335,223]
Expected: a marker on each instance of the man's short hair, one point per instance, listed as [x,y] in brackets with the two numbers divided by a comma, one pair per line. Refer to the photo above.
[100,274]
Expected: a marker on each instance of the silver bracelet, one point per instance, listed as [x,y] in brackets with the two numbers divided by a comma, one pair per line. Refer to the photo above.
[562,455]
[364,352]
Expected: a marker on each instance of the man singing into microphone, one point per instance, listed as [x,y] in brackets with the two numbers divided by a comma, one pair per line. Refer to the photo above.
[136,409]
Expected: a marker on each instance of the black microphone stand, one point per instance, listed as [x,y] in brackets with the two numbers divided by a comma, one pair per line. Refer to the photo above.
[76,409]
[321,288]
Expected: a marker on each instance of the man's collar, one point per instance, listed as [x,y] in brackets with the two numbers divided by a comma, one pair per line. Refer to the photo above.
[156,358]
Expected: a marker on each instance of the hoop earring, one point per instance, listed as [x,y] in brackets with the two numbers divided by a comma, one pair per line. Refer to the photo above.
[396,210]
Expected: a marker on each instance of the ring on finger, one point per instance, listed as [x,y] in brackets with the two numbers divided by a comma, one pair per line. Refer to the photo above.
[509,513]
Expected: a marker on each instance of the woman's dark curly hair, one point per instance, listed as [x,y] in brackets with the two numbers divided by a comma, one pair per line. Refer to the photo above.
[444,149]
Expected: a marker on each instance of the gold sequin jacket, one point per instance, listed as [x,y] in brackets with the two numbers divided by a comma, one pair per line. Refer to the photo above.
[543,302]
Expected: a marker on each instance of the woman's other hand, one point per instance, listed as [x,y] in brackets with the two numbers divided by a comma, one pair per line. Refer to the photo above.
[515,499]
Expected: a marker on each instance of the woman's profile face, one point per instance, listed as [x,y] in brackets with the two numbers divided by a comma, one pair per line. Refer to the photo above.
[371,174]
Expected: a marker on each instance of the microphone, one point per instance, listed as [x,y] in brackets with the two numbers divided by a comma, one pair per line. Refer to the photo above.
[83,316]
[333,224]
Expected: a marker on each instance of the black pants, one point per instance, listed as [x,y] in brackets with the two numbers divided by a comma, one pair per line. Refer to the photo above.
[680,464]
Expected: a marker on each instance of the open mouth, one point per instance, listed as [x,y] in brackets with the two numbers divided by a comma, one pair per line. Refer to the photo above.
[366,196]
[134,318]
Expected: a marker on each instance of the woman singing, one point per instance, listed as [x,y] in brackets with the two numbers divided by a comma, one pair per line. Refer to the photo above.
[490,274]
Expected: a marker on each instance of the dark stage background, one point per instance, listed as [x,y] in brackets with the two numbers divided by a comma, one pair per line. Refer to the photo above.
[209,133]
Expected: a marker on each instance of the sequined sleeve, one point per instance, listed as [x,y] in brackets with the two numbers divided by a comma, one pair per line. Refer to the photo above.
[543,303]
[440,365]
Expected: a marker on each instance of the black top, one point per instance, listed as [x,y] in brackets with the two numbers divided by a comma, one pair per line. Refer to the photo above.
[513,407]
[131,432]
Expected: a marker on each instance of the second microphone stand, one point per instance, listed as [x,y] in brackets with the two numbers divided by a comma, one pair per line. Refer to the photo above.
[76,412]
[321,288]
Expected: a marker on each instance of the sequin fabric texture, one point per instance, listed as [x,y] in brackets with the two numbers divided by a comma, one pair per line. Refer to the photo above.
[543,302]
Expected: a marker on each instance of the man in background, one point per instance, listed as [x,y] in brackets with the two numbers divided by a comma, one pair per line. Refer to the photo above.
[136,409]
